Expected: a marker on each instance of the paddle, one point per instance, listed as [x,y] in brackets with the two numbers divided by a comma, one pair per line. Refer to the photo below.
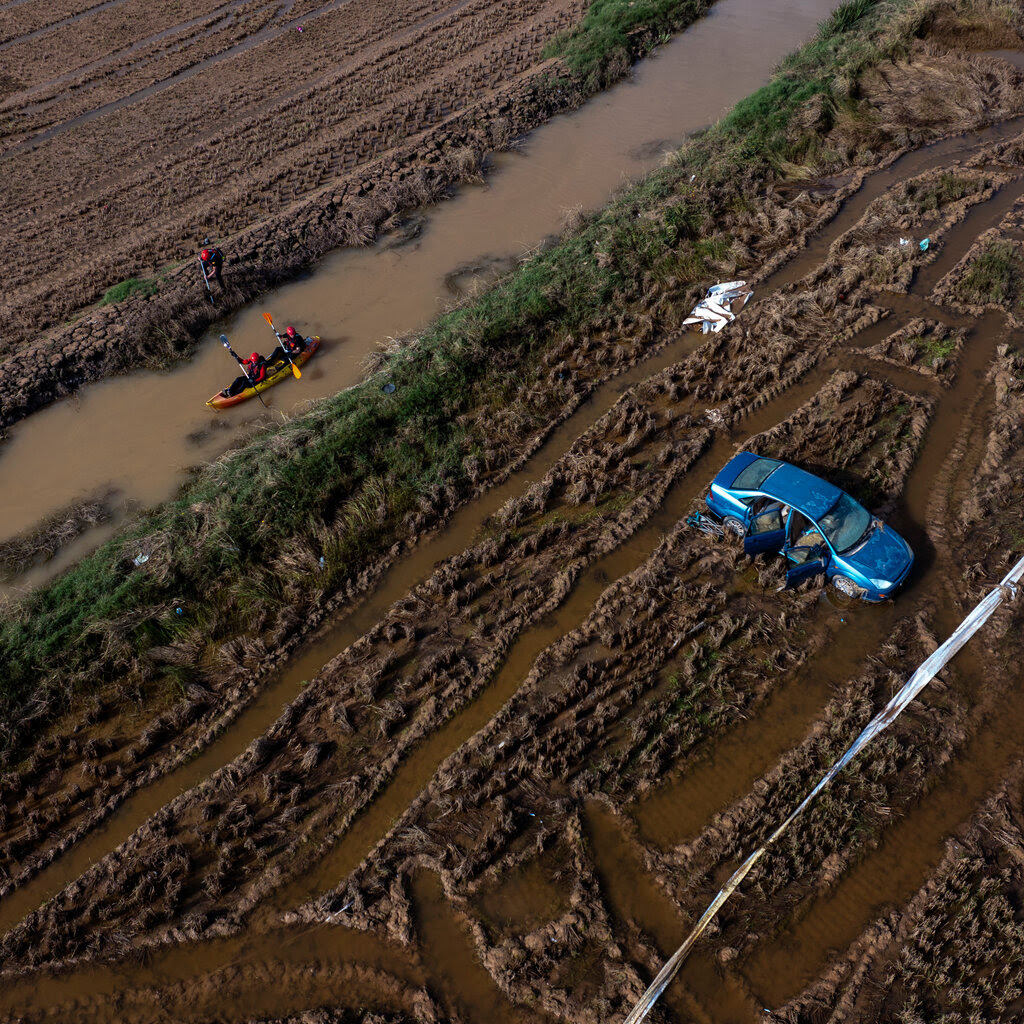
[224,341]
[295,370]
[206,280]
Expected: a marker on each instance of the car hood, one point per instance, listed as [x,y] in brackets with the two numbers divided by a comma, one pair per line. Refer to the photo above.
[883,556]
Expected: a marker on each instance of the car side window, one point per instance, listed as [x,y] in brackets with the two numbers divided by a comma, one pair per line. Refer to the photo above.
[767,521]
[798,556]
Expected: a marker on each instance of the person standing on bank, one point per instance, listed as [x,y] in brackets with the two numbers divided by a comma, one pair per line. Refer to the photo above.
[211,259]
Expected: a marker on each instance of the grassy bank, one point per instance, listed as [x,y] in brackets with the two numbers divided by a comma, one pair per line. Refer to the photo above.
[238,553]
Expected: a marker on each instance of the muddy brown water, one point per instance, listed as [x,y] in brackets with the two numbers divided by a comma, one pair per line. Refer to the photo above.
[781,968]
[283,688]
[457,978]
[142,432]
[907,166]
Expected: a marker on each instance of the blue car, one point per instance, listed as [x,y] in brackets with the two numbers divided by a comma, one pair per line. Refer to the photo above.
[819,528]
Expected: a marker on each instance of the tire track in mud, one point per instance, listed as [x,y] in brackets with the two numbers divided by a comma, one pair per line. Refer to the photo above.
[53,84]
[231,734]
[309,966]
[674,813]
[257,38]
[875,184]
[634,896]
[911,848]
[62,23]
[909,852]
[976,355]
[210,955]
[678,503]
[385,814]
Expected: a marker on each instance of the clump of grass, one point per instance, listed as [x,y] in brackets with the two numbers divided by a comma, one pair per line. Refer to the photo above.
[614,32]
[947,188]
[934,348]
[846,16]
[141,286]
[994,277]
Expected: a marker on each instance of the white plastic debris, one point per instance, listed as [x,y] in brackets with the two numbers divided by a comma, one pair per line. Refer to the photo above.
[140,559]
[719,306]
[904,241]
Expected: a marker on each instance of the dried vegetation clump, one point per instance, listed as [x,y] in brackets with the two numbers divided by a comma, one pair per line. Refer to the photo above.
[923,344]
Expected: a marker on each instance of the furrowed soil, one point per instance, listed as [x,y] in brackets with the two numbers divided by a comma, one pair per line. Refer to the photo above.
[130,131]
[512,770]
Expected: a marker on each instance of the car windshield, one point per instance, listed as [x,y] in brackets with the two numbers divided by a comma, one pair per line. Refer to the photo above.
[751,477]
[845,524]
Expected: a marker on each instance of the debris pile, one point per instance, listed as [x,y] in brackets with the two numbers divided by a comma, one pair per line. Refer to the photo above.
[717,308]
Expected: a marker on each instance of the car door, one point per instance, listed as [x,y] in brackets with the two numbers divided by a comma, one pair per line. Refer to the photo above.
[804,561]
[767,531]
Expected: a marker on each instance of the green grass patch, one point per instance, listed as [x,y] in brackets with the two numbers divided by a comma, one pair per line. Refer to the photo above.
[994,277]
[613,33]
[947,188]
[141,286]
[934,349]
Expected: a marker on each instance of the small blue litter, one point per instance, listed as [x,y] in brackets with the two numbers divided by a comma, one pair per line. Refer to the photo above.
[388,388]
[925,242]
[179,611]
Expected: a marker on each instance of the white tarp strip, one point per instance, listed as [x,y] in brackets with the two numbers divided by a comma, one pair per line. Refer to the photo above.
[913,686]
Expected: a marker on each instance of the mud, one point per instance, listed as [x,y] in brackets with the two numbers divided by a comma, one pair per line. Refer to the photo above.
[512,791]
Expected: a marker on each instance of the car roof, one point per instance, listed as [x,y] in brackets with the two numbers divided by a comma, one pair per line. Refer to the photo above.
[804,491]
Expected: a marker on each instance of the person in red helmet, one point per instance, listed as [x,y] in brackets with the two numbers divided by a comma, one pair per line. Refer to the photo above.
[254,372]
[211,259]
[291,347]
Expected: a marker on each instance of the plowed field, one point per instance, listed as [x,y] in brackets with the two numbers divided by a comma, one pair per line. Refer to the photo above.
[130,131]
[504,786]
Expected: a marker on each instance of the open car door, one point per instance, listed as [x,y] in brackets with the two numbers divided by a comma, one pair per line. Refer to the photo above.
[803,562]
[767,531]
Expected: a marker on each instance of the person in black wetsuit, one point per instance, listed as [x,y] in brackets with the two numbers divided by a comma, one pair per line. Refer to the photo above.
[292,344]
[212,259]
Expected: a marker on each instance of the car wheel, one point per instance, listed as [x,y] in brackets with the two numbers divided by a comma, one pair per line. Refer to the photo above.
[732,525]
[846,586]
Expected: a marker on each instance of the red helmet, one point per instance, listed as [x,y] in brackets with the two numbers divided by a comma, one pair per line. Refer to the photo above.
[254,358]
[205,254]
[290,331]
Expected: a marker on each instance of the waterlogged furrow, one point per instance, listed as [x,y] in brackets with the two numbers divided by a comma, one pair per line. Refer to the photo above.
[103,822]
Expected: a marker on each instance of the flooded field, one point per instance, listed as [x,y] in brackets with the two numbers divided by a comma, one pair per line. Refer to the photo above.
[503,779]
